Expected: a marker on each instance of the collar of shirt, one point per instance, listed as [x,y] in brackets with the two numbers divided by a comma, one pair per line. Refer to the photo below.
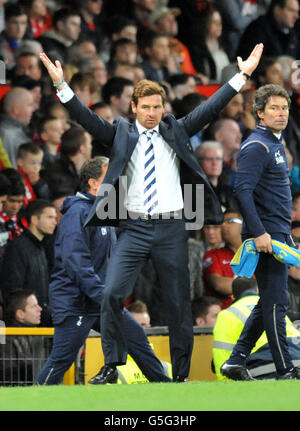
[141,129]
[278,136]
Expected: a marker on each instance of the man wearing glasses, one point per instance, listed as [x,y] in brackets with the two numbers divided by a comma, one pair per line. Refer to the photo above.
[217,272]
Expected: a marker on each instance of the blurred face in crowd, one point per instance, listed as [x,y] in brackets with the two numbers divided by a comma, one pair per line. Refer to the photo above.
[45,223]
[147,4]
[139,74]
[296,210]
[159,51]
[70,28]
[31,315]
[212,162]
[126,53]
[106,113]
[232,228]
[31,165]
[58,203]
[23,110]
[294,271]
[273,75]
[235,108]
[61,113]
[124,71]
[29,65]
[2,200]
[122,104]
[39,8]
[128,32]
[276,114]
[93,7]
[149,110]
[99,71]
[86,148]
[167,24]
[15,27]
[53,131]
[13,204]
[230,137]
[142,318]
[214,29]
[210,318]
[288,15]
[213,235]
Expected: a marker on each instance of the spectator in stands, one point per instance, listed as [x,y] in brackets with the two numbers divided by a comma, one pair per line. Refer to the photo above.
[78,281]
[117,94]
[82,49]
[18,107]
[28,63]
[248,117]
[275,30]
[234,109]
[75,149]
[90,24]
[66,29]
[217,272]
[294,278]
[182,84]
[123,50]
[21,355]
[104,111]
[2,18]
[24,262]
[212,236]
[296,207]
[210,158]
[85,87]
[237,15]
[208,54]
[96,67]
[5,186]
[227,132]
[29,161]
[269,72]
[15,28]
[50,132]
[139,311]
[163,20]
[228,328]
[205,310]
[40,19]
[35,88]
[57,110]
[157,61]
[11,214]
[123,70]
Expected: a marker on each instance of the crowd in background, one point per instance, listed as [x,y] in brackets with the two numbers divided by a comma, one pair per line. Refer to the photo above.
[105,48]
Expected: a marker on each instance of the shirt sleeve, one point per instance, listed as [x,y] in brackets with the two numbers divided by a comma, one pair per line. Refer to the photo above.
[237,82]
[65,95]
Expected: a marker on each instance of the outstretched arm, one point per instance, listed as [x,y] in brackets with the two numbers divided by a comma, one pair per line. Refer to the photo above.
[94,124]
[208,110]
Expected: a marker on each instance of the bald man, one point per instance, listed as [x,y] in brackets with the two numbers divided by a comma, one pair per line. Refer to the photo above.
[18,107]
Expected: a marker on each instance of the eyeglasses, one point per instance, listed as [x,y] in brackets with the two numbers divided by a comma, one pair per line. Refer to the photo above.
[212,159]
[233,220]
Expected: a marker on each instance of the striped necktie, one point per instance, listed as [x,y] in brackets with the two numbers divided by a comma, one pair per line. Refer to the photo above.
[150,191]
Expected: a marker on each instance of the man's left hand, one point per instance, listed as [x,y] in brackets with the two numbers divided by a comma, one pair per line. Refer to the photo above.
[248,66]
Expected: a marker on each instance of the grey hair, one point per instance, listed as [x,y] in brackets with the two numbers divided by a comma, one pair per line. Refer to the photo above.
[208,145]
[264,93]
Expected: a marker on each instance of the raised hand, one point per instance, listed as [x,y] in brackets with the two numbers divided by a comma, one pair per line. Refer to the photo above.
[248,66]
[55,70]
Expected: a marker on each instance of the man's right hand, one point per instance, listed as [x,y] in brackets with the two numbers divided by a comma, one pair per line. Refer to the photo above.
[263,243]
[55,70]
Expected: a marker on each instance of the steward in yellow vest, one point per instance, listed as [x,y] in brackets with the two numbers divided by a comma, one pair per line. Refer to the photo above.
[229,325]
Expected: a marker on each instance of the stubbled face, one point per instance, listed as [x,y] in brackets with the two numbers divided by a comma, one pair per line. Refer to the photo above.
[276,114]
[149,110]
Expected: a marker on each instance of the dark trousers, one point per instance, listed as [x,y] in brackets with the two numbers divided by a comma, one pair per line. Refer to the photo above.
[269,313]
[165,241]
[71,335]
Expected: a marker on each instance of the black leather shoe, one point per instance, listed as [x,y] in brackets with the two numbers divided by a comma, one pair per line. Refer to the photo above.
[107,374]
[293,374]
[180,379]
[236,372]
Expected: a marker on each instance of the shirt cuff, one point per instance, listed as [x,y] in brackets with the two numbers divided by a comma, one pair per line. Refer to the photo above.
[237,82]
[65,94]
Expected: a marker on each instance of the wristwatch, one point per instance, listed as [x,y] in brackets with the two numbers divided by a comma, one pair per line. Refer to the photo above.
[245,74]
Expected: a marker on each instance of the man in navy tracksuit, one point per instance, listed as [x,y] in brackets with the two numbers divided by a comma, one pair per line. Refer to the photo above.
[77,284]
[262,188]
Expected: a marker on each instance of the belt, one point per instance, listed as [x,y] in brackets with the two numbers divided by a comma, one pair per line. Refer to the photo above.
[160,216]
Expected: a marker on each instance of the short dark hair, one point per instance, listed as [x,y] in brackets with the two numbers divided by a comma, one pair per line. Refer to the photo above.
[16,180]
[116,23]
[99,105]
[36,207]
[26,148]
[200,306]
[295,224]
[72,140]
[274,3]
[114,87]
[5,185]
[138,307]
[120,43]
[14,301]
[63,14]
[92,168]
[241,284]
[84,79]
[264,93]
[151,37]
[179,79]
[13,9]
[234,211]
